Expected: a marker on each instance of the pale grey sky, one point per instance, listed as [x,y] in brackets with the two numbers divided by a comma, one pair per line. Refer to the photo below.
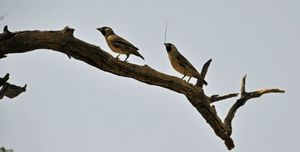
[70,106]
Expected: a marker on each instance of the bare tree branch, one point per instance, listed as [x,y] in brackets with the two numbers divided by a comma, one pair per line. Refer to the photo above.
[63,41]
[9,90]
[215,98]
[245,96]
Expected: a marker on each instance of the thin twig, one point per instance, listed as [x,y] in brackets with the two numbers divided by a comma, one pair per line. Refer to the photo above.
[243,84]
[215,98]
[265,91]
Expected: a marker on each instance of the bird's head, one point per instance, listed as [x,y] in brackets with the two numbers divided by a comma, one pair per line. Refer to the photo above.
[105,30]
[170,47]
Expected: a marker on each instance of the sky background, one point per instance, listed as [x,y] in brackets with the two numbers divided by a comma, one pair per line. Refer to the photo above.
[71,106]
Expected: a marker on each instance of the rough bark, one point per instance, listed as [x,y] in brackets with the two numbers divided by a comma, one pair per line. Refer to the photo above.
[63,41]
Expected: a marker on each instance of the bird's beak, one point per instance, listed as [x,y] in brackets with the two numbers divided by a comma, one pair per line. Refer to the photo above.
[101,30]
[168,46]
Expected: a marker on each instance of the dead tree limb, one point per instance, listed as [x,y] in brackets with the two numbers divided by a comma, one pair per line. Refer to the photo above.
[9,90]
[245,96]
[63,41]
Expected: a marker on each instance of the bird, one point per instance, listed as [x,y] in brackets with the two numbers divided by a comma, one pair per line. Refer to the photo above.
[118,44]
[181,64]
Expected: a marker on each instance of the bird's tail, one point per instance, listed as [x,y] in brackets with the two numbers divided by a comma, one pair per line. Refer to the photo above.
[202,80]
[139,55]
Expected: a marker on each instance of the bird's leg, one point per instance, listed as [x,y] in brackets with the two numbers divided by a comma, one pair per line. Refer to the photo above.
[127,56]
[117,57]
[183,77]
[189,79]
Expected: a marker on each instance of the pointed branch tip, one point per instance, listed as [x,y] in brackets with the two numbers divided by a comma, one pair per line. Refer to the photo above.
[243,85]
[6,76]
[24,88]
[4,79]
[265,91]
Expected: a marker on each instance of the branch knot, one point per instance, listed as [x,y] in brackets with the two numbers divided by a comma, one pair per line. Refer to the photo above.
[68,30]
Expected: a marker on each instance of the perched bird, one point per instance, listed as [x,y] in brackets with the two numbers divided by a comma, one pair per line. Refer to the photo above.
[181,64]
[119,45]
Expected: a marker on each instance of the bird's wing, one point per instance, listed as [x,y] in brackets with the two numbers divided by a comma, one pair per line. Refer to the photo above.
[183,62]
[119,42]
